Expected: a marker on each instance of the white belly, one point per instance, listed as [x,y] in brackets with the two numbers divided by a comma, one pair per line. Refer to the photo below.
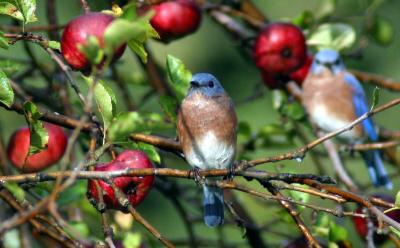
[210,153]
[328,123]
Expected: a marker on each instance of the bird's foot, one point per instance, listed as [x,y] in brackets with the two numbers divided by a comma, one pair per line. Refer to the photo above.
[198,179]
[231,172]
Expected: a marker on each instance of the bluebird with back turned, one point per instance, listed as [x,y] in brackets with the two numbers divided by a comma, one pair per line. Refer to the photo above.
[206,127]
[333,98]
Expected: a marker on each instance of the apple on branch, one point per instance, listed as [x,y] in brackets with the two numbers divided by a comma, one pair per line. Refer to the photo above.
[18,149]
[135,188]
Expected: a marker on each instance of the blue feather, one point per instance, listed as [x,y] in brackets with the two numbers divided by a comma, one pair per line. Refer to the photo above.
[373,160]
[213,206]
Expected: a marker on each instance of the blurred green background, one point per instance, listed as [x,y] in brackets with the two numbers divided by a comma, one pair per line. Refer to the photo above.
[211,49]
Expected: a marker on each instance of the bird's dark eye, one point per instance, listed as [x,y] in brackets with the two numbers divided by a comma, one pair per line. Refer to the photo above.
[317,61]
[210,84]
[337,62]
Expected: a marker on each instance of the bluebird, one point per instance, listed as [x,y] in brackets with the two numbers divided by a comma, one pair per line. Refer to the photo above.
[333,98]
[207,126]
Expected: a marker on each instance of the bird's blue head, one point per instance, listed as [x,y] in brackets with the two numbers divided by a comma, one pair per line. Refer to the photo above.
[206,84]
[327,59]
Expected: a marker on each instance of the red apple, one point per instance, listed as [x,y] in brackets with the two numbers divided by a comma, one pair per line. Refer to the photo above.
[76,33]
[361,226]
[272,81]
[135,188]
[300,74]
[175,19]
[18,149]
[280,48]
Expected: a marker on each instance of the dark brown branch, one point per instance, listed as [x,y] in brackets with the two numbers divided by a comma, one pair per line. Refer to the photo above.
[291,209]
[377,80]
[369,146]
[18,29]
[162,172]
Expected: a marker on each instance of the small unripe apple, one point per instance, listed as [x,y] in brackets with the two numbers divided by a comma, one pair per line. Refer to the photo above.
[300,74]
[280,48]
[175,19]
[361,224]
[18,149]
[76,33]
[135,188]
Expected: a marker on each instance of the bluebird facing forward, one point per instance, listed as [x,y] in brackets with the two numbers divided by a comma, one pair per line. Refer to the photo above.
[207,126]
[334,98]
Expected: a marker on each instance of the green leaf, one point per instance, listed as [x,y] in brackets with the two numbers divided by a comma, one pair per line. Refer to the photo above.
[106,101]
[375,97]
[151,152]
[337,36]
[121,31]
[3,40]
[15,190]
[38,134]
[294,110]
[55,45]
[326,8]
[304,20]
[9,66]
[80,228]
[381,31]
[169,105]
[132,240]
[298,195]
[23,10]
[127,123]
[138,48]
[337,233]
[179,77]
[397,202]
[128,29]
[129,12]
[6,91]
[271,129]
[395,231]
[279,99]
[92,50]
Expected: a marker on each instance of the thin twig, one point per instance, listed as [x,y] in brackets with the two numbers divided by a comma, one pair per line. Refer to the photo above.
[85,6]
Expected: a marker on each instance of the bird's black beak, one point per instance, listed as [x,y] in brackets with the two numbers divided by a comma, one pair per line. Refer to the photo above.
[329,66]
[194,84]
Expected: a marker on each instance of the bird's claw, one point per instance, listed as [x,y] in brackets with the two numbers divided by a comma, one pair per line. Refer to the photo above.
[198,179]
[231,172]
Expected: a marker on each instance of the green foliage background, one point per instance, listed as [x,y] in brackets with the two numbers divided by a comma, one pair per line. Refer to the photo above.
[212,50]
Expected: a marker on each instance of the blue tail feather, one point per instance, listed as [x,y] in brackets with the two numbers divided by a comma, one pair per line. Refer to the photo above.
[213,206]
[376,169]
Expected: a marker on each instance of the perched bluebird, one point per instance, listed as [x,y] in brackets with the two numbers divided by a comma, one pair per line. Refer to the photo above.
[207,127]
[333,98]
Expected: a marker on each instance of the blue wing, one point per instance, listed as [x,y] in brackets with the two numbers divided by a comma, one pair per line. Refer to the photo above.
[372,158]
[360,105]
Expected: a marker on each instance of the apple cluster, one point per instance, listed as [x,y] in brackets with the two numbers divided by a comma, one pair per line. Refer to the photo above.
[280,52]
[172,20]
